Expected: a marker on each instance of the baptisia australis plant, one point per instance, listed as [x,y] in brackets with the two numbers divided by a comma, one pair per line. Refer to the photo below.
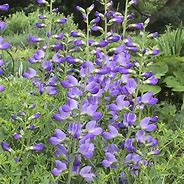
[105,110]
[51,53]
[3,44]
[104,131]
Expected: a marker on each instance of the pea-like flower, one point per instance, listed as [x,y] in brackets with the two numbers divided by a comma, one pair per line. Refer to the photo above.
[59,168]
[85,172]
[58,137]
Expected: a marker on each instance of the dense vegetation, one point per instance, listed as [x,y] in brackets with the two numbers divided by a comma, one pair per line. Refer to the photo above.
[90,96]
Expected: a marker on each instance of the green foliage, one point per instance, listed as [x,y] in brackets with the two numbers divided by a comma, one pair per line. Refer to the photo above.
[172,42]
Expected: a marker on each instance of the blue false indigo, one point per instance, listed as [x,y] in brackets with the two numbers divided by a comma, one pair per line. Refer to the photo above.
[57,46]
[138,26]
[148,98]
[113,132]
[87,150]
[152,81]
[78,42]
[112,148]
[6,146]
[129,119]
[128,144]
[47,65]
[70,82]
[96,20]
[1,62]
[62,21]
[110,159]
[17,136]
[86,68]
[61,150]
[34,39]
[60,167]
[34,116]
[38,147]
[97,28]
[113,39]
[147,74]
[42,17]
[76,34]
[4,7]
[59,36]
[51,90]
[42,2]
[140,136]
[117,19]
[85,172]
[147,125]
[30,73]
[81,9]
[55,10]
[75,129]
[58,137]
[4,45]
[103,71]
[31,127]
[40,25]
[153,35]
[154,152]
[92,128]
[2,25]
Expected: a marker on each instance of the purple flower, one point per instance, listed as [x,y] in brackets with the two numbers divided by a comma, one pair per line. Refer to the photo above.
[76,34]
[1,62]
[42,17]
[6,146]
[2,88]
[92,128]
[75,129]
[59,36]
[61,150]
[130,86]
[113,132]
[112,148]
[110,159]
[58,137]
[62,21]
[87,149]
[147,126]
[4,7]
[153,35]
[38,147]
[118,19]
[128,144]
[97,28]
[147,98]
[41,1]
[60,167]
[120,104]
[152,80]
[139,26]
[17,136]
[2,25]
[86,68]
[85,172]
[30,73]
[47,65]
[34,39]
[129,119]
[40,25]
[4,45]
[51,90]
[70,82]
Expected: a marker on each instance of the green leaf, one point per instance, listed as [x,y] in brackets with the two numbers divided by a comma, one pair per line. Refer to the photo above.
[154,89]
[159,69]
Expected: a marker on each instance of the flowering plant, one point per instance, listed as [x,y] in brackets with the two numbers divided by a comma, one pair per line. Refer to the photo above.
[104,131]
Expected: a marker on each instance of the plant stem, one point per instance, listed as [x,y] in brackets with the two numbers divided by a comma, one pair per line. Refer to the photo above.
[73,147]
[182,107]
[125,19]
